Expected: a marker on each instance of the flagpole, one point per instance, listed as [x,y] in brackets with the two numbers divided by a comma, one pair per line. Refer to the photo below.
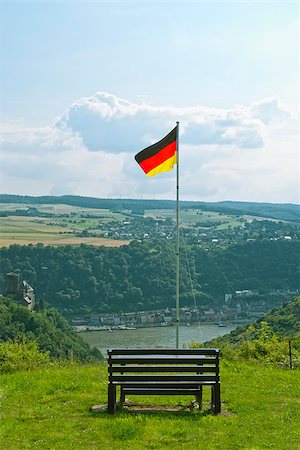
[177,235]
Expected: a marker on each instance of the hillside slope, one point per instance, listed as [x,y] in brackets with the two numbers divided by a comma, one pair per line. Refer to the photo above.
[47,327]
[278,211]
[284,320]
[141,276]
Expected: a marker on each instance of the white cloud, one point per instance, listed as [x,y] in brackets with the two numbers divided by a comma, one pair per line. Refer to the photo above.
[17,137]
[245,153]
[106,122]
[269,111]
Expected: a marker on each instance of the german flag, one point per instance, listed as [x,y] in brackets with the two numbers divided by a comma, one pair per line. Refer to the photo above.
[159,157]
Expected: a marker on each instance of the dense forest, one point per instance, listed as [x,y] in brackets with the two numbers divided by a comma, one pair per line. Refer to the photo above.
[289,212]
[141,276]
[47,328]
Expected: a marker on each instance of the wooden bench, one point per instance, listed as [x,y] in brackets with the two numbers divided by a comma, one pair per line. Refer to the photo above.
[163,372]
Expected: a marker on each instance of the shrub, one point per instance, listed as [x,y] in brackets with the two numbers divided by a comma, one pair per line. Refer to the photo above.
[259,343]
[25,355]
[265,345]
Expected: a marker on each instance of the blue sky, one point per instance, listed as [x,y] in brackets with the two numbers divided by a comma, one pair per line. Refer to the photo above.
[229,71]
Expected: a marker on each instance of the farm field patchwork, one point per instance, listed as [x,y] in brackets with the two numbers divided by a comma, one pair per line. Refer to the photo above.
[60,209]
[58,224]
[194,216]
[33,230]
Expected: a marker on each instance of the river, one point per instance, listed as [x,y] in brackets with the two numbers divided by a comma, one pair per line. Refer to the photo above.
[156,337]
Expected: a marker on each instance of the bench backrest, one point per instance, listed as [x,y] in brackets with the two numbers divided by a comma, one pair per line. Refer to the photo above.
[176,365]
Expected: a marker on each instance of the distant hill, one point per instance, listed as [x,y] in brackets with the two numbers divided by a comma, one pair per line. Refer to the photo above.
[286,211]
[286,320]
[290,212]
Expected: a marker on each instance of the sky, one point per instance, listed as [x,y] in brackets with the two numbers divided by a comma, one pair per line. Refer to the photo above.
[84,86]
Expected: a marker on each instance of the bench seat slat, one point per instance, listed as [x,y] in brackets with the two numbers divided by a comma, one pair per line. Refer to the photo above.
[164,385]
[195,368]
[167,360]
[158,391]
[166,351]
[158,378]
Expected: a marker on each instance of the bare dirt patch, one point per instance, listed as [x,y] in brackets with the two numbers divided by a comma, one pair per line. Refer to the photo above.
[6,241]
[134,408]
[89,241]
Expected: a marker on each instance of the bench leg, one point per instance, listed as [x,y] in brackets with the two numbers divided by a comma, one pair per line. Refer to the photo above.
[199,397]
[122,395]
[216,398]
[111,401]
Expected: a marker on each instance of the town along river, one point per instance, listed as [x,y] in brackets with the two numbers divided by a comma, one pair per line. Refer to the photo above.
[156,337]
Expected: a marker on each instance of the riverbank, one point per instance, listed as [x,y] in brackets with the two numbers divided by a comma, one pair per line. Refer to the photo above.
[90,328]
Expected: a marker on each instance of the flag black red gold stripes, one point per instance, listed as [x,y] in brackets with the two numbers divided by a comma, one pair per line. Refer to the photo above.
[159,157]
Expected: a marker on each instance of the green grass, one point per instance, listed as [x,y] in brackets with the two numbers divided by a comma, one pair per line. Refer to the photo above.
[49,409]
[193,216]
[62,209]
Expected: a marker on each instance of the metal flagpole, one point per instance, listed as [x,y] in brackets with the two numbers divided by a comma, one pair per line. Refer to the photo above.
[177,235]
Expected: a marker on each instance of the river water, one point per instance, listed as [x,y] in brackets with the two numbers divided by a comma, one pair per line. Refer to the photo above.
[156,337]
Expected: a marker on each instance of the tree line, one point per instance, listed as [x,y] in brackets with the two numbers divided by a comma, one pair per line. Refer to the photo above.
[141,276]
[289,212]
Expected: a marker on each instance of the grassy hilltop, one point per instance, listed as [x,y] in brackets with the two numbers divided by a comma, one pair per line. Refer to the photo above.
[49,408]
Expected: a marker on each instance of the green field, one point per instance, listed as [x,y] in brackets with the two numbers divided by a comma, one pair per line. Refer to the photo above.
[193,216]
[56,209]
[50,409]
